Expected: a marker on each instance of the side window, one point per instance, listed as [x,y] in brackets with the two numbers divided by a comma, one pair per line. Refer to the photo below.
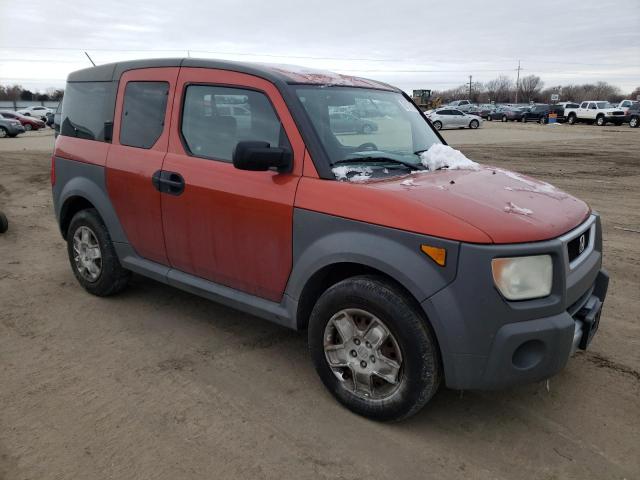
[584,104]
[209,133]
[87,110]
[143,112]
[593,106]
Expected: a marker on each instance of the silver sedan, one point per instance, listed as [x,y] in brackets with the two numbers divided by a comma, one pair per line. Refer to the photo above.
[453,118]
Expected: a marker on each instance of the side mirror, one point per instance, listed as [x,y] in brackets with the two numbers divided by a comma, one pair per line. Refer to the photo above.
[260,156]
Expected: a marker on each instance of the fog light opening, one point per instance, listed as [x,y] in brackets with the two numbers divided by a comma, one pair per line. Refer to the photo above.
[528,355]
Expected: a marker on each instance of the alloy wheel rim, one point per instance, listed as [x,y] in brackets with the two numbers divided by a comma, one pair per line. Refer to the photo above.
[86,254]
[363,354]
[633,122]
[3,133]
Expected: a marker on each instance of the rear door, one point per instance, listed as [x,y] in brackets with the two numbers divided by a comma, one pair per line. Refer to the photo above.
[140,139]
[230,226]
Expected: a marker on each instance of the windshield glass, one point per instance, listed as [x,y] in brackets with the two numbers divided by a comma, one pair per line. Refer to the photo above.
[368,124]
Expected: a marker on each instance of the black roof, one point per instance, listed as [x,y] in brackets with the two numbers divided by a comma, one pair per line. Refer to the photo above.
[275,73]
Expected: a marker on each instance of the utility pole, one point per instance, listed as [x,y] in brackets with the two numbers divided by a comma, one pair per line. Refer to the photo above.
[518,82]
[470,77]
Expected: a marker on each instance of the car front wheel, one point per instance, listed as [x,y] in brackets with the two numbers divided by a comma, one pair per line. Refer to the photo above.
[437,124]
[600,121]
[474,124]
[633,122]
[373,349]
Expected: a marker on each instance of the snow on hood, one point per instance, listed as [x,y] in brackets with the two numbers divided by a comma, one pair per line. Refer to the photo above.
[441,156]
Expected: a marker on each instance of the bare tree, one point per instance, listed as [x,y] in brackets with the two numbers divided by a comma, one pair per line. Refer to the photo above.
[500,89]
[530,87]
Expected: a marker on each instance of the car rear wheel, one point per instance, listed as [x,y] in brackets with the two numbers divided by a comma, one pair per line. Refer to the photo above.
[542,120]
[504,118]
[28,127]
[4,132]
[489,118]
[373,350]
[600,121]
[474,124]
[572,119]
[437,124]
[92,256]
[633,122]
[4,223]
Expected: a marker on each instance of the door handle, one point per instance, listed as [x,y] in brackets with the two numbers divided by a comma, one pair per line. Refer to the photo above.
[168,182]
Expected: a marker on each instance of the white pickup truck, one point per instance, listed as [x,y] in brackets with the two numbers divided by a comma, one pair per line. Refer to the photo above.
[594,111]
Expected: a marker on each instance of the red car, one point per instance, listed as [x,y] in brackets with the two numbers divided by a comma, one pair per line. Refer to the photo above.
[29,123]
[407,264]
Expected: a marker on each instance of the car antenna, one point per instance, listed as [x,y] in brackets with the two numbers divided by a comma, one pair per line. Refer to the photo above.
[92,62]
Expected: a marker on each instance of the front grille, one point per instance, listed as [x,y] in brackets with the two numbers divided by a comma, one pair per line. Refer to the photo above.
[578,245]
[618,113]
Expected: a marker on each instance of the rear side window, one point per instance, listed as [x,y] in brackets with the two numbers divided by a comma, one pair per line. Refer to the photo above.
[145,104]
[211,129]
[87,110]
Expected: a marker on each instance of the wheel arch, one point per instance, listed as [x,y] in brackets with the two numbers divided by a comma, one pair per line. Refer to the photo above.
[78,186]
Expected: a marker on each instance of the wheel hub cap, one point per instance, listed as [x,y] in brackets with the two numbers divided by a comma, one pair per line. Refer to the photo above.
[363,354]
[86,254]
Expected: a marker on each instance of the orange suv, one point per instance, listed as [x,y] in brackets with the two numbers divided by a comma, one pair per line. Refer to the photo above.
[409,265]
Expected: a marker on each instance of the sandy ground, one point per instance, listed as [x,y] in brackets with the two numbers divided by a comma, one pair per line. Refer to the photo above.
[157,383]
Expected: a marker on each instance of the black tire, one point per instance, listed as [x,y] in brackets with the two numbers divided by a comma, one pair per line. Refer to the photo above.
[420,371]
[4,223]
[4,132]
[634,121]
[473,124]
[523,119]
[504,118]
[489,118]
[571,120]
[28,127]
[600,121]
[113,277]
[543,120]
[438,125]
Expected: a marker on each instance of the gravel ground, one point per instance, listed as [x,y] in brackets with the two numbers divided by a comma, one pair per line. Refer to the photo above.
[157,383]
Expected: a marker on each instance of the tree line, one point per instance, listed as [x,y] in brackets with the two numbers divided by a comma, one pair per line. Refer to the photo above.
[531,88]
[16,93]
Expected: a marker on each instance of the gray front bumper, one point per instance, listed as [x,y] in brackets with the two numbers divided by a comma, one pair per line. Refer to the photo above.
[488,342]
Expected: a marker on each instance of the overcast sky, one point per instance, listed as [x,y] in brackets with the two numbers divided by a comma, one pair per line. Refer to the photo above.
[412,44]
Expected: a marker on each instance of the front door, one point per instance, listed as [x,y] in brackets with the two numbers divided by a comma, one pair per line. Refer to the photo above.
[230,226]
[139,145]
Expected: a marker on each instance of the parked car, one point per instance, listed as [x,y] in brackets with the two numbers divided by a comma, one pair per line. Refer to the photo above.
[50,119]
[35,111]
[453,118]
[624,105]
[540,113]
[473,277]
[633,115]
[484,110]
[459,103]
[506,114]
[594,111]
[10,127]
[29,123]
[347,123]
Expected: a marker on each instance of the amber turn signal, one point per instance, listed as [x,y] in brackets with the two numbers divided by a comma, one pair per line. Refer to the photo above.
[437,254]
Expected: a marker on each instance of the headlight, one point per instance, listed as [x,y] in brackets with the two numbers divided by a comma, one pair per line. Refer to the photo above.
[523,278]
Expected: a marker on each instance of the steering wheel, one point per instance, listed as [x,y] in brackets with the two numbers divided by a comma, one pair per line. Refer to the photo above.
[367,146]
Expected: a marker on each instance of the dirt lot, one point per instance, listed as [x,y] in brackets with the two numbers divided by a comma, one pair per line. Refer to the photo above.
[157,383]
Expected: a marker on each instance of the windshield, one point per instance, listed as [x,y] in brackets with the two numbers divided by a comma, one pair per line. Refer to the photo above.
[368,124]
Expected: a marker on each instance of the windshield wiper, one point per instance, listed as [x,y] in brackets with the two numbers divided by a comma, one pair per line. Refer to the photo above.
[370,159]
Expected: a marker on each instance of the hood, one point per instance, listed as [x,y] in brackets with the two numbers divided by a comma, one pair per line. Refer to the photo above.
[506,206]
